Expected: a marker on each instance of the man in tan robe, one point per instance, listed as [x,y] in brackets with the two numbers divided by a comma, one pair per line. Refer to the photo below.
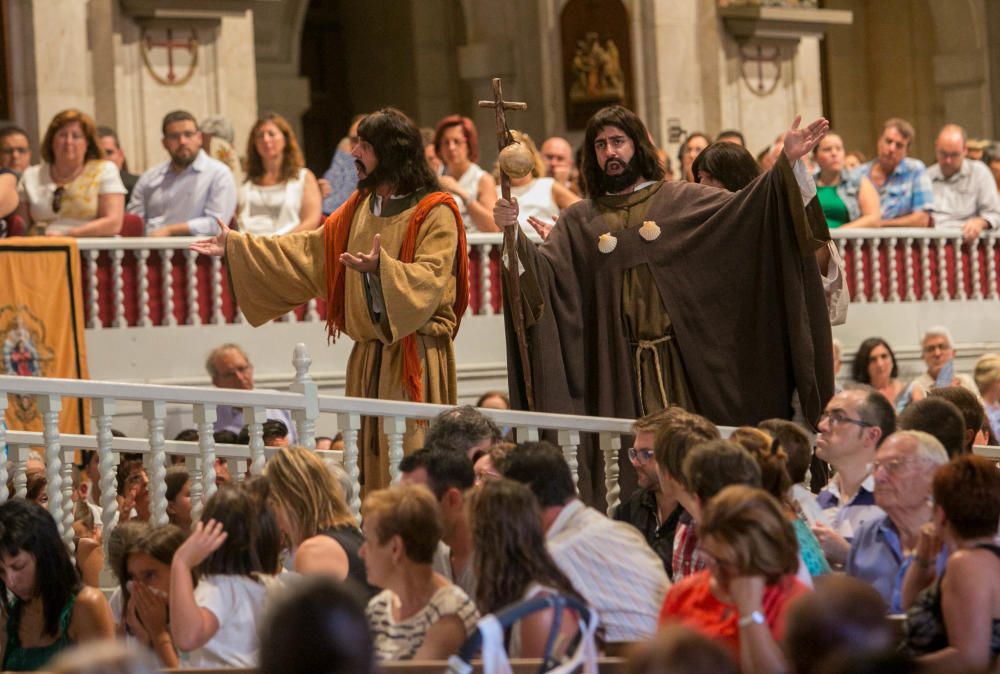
[401,302]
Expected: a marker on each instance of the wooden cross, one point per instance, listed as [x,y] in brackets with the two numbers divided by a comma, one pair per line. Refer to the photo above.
[509,241]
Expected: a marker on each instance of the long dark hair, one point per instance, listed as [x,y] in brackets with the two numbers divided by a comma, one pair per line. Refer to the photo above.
[859,368]
[399,149]
[729,163]
[29,527]
[159,542]
[253,543]
[646,161]
[507,526]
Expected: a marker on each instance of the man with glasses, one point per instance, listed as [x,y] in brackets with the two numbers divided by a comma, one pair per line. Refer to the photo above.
[851,428]
[938,351]
[882,548]
[187,195]
[15,149]
[965,195]
[652,508]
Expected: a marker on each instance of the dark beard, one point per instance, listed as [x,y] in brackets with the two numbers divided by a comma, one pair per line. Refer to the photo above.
[370,181]
[626,178]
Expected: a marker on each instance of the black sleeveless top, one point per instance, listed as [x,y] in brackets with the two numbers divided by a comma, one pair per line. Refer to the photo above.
[350,538]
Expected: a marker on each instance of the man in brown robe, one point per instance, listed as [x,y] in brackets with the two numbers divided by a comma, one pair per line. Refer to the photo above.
[653,293]
[401,302]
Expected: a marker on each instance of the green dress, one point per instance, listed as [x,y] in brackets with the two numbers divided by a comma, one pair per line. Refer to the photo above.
[834,207]
[20,659]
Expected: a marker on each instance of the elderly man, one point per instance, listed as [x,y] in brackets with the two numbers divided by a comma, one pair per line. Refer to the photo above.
[965,195]
[938,351]
[882,548]
[559,164]
[904,189]
[850,430]
[229,367]
[463,429]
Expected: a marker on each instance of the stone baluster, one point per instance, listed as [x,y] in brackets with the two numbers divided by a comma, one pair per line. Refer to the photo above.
[526,433]
[167,261]
[68,514]
[956,251]
[348,424]
[485,280]
[944,294]
[50,406]
[93,293]
[204,420]
[6,450]
[925,269]
[255,416]
[21,471]
[305,419]
[893,269]
[312,311]
[194,316]
[569,441]
[198,499]
[874,246]
[241,470]
[142,286]
[977,286]
[991,267]
[118,288]
[155,412]
[859,271]
[103,410]
[216,275]
[611,445]
[911,286]
[395,428]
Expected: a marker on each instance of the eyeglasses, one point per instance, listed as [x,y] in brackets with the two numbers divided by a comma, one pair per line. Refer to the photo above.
[57,198]
[8,151]
[837,417]
[931,348]
[639,455]
[894,466]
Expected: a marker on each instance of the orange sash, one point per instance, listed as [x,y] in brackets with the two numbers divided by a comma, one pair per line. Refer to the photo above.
[337,229]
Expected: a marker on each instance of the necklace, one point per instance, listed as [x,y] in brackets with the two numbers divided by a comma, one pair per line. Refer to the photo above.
[64,180]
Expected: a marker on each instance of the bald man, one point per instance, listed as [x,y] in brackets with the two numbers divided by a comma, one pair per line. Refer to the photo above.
[965,195]
[559,164]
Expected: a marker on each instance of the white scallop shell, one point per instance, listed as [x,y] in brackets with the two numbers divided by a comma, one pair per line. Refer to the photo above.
[607,243]
[650,231]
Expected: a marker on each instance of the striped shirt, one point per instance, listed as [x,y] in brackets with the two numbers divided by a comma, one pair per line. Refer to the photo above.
[613,567]
[401,640]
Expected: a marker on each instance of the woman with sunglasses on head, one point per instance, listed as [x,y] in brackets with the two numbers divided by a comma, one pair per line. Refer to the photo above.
[74,191]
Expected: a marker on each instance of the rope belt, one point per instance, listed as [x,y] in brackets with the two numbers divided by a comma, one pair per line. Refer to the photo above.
[650,345]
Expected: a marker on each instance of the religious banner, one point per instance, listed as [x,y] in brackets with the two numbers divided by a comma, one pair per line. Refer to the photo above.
[41,325]
[170,55]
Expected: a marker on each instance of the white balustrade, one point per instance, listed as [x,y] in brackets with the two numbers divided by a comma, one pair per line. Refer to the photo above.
[93,293]
[942,261]
[611,445]
[103,410]
[68,456]
[22,454]
[960,268]
[485,280]
[569,441]
[893,269]
[118,287]
[395,429]
[977,286]
[349,424]
[142,286]
[155,412]
[50,406]
[876,268]
[526,433]
[990,244]
[204,420]
[305,419]
[859,272]
[908,248]
[312,311]
[216,279]
[191,278]
[255,416]
[166,260]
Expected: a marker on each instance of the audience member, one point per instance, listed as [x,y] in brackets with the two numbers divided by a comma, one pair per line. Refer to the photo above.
[875,365]
[229,367]
[494,400]
[133,490]
[769,155]
[680,650]
[798,447]
[742,598]
[50,609]
[8,199]
[671,447]
[179,497]
[218,140]
[318,526]
[976,425]
[475,191]
[955,623]
[280,194]
[449,475]
[341,177]
[232,549]
[881,547]
[688,151]
[987,375]
[273,433]
[87,541]
[939,417]
[73,192]
[316,626]
[853,425]
[559,163]
[731,136]
[540,198]
[904,188]
[965,195]
[938,351]
[419,615]
[143,571]
[590,548]
[111,150]
[843,615]
[726,165]
[848,198]
[992,159]
[506,520]
[188,194]
[36,486]
[430,153]
[854,159]
[15,149]
[462,429]
[653,508]
[485,467]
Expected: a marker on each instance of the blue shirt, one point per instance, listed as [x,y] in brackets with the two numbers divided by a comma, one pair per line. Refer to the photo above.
[906,191]
[199,194]
[343,179]
[846,518]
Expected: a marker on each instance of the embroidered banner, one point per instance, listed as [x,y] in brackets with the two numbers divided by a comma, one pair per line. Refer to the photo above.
[41,325]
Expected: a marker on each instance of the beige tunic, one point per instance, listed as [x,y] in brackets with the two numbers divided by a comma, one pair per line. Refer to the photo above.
[272,275]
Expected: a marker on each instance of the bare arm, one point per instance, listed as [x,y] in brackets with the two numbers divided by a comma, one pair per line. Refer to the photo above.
[481,209]
[759,654]
[442,640]
[91,619]
[8,194]
[869,202]
[311,211]
[915,219]
[563,197]
[110,209]
[321,555]
[190,625]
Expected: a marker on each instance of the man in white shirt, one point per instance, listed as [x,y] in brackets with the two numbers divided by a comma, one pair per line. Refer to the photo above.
[965,194]
[188,194]
[608,562]
[938,350]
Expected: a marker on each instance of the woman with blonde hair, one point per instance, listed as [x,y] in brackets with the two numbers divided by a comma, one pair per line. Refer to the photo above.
[540,199]
[987,376]
[74,191]
[315,521]
[280,194]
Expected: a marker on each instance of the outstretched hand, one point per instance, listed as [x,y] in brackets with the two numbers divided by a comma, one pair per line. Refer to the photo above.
[363,262]
[543,228]
[203,541]
[216,246]
[799,142]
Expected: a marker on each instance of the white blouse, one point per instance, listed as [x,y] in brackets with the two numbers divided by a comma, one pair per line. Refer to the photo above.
[79,201]
[271,209]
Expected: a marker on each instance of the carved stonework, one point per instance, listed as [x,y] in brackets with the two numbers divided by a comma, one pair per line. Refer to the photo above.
[170,55]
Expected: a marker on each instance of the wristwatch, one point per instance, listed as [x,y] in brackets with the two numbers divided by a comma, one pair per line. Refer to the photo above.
[755,618]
